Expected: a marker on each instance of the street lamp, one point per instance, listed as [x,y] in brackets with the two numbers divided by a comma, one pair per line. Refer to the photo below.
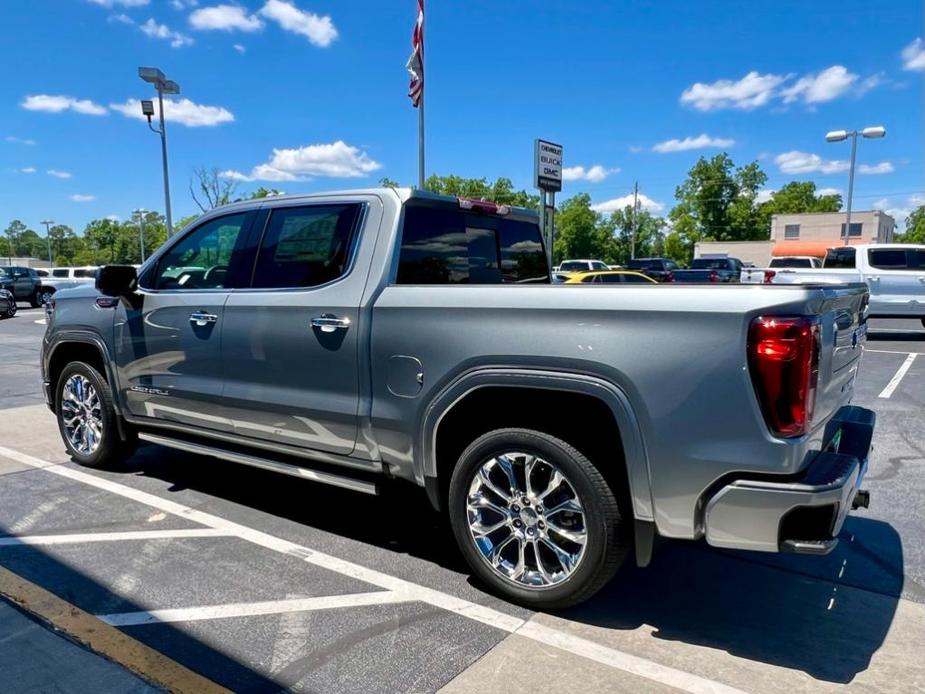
[48,223]
[870,133]
[163,86]
[141,229]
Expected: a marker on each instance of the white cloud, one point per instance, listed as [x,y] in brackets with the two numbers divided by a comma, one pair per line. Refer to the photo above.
[635,149]
[113,217]
[225,18]
[751,91]
[764,195]
[820,87]
[58,173]
[828,191]
[594,174]
[796,162]
[335,160]
[182,111]
[914,56]
[239,48]
[883,167]
[122,3]
[183,4]
[162,31]
[27,170]
[19,140]
[77,197]
[319,30]
[700,142]
[57,103]
[121,19]
[645,203]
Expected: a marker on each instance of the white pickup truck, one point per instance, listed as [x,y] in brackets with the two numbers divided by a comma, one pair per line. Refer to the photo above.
[763,275]
[894,272]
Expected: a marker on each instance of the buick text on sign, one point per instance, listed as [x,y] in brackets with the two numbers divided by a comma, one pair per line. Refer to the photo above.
[548,166]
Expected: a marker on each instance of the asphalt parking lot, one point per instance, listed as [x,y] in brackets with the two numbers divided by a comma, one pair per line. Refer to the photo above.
[259,583]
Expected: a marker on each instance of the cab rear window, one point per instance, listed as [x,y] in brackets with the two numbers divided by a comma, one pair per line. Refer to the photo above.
[441,244]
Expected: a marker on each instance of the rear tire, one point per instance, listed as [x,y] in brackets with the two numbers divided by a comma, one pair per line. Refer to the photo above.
[46,295]
[36,299]
[509,530]
[87,419]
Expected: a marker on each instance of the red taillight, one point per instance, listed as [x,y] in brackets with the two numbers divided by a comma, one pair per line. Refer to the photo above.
[769,275]
[483,206]
[714,276]
[783,357]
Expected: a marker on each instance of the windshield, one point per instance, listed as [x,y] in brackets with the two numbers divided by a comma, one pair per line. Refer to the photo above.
[573,266]
[791,262]
[710,264]
[5,272]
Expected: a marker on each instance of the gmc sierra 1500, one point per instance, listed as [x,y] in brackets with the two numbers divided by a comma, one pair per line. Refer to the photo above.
[348,336]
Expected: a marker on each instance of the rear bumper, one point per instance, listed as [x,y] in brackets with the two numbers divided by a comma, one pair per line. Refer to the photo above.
[801,515]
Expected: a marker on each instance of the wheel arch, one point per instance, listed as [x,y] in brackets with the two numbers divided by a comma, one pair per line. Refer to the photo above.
[543,387]
[68,347]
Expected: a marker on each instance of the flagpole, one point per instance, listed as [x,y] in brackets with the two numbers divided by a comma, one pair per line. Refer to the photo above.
[421,112]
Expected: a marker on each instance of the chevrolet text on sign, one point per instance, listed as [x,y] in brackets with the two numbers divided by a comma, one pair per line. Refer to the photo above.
[548,166]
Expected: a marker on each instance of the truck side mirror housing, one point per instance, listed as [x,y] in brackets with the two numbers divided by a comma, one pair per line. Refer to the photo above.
[117,280]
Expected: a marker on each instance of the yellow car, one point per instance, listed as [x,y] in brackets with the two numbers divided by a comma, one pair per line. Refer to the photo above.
[610,277]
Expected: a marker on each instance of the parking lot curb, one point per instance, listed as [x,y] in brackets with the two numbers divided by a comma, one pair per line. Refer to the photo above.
[101,638]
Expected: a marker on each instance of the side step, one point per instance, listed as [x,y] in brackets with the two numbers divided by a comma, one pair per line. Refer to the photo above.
[350,483]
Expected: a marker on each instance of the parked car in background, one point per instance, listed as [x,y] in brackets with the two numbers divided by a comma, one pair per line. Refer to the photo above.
[7,304]
[610,277]
[894,273]
[763,275]
[659,269]
[570,266]
[341,338]
[710,270]
[58,278]
[23,282]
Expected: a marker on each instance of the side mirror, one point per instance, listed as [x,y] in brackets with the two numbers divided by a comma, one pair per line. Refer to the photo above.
[116,280]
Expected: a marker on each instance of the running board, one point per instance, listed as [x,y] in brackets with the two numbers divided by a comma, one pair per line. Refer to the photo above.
[350,483]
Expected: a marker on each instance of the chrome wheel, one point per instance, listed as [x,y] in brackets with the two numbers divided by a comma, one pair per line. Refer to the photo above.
[526,520]
[81,414]
[45,297]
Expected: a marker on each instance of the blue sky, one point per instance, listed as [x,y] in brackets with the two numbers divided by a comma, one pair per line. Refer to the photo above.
[311,95]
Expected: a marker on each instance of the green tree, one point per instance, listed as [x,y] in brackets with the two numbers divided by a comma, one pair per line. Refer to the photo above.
[718,201]
[13,232]
[100,236]
[501,191]
[915,226]
[650,238]
[581,232]
[796,197]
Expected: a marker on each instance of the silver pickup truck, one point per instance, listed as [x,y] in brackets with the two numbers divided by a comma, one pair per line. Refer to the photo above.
[349,337]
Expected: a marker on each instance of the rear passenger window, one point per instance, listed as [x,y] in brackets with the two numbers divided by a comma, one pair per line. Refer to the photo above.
[917,258]
[443,245]
[888,258]
[305,246]
[840,258]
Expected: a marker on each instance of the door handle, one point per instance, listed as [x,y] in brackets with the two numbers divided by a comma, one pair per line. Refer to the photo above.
[201,318]
[328,323]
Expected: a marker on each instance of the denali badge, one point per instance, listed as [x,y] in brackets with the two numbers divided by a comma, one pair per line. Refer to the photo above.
[149,391]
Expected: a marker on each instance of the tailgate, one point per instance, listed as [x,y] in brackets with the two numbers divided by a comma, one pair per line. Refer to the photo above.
[843,315]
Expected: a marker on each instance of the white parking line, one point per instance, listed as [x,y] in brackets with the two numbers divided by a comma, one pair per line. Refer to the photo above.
[898,376]
[889,351]
[252,609]
[576,645]
[79,538]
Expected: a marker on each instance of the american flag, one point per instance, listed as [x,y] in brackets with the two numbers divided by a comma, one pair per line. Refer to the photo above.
[416,61]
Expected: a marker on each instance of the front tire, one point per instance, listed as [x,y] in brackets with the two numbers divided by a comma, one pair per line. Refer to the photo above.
[87,419]
[11,311]
[535,519]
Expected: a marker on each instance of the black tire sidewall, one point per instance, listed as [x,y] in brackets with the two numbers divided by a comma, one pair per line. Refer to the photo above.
[36,299]
[601,515]
[109,447]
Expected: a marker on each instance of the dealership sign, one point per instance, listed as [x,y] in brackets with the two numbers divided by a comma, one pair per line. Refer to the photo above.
[547,166]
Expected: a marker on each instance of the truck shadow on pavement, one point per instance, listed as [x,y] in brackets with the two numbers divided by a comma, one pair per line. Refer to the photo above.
[826,616]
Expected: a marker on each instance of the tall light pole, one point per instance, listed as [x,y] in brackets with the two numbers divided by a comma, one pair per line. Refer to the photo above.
[141,229]
[48,223]
[163,86]
[872,132]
